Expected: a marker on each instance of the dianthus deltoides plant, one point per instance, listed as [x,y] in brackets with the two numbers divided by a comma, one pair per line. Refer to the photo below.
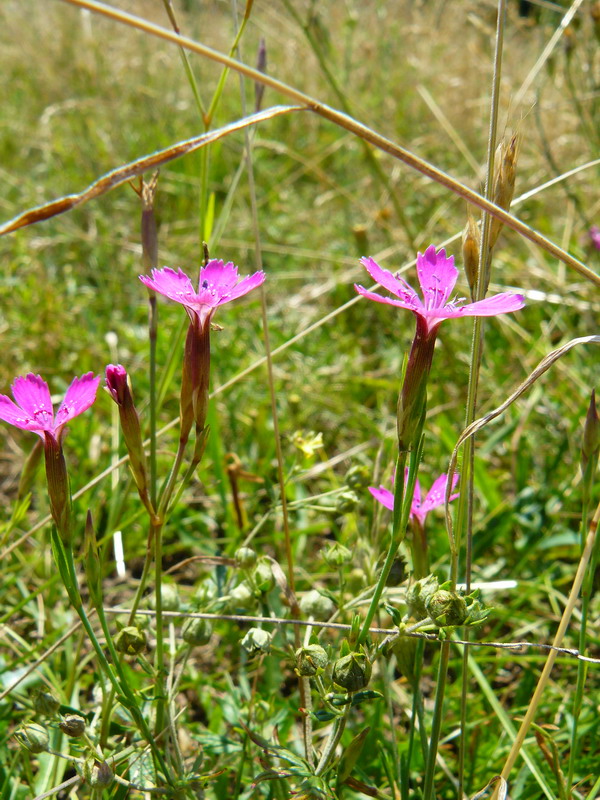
[341,684]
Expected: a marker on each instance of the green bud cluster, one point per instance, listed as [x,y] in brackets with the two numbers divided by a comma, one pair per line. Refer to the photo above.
[352,672]
[310,660]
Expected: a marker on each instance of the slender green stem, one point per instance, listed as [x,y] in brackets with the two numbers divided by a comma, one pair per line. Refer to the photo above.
[396,539]
[467,476]
[586,595]
[436,723]
[328,753]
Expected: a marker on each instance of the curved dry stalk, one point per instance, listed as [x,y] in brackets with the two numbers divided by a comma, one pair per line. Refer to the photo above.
[480,423]
[346,122]
[125,173]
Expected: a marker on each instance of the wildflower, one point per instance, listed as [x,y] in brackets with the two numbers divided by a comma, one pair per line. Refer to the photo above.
[418,508]
[437,277]
[218,284]
[33,411]
[418,512]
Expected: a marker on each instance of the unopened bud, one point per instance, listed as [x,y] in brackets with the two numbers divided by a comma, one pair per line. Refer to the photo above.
[261,66]
[418,594]
[310,660]
[263,576]
[256,642]
[169,595]
[346,502]
[32,737]
[97,774]
[590,446]
[446,608]
[197,631]
[471,242]
[245,557]
[337,555]
[240,598]
[147,194]
[45,703]
[404,649]
[358,477]
[117,384]
[352,672]
[316,605]
[30,468]
[72,725]
[504,181]
[130,640]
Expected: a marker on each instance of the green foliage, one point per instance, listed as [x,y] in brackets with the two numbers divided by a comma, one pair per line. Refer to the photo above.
[84,95]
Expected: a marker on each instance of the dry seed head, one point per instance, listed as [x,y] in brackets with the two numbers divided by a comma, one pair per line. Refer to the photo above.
[471,242]
[504,180]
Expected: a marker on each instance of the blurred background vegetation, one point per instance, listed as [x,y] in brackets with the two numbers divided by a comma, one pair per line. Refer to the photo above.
[82,96]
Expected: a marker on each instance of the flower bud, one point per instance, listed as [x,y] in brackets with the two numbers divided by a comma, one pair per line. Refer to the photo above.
[169,594]
[240,598]
[32,737]
[404,649]
[346,502]
[30,468]
[590,446]
[261,66]
[245,557]
[352,672]
[418,594]
[358,477]
[130,640]
[263,576]
[118,388]
[256,641]
[97,773]
[72,725]
[316,605]
[471,242]
[504,181]
[337,555]
[149,235]
[193,402]
[45,703]
[446,608]
[197,631]
[310,660]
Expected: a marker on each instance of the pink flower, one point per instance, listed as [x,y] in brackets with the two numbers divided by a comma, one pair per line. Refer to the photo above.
[437,277]
[33,410]
[218,285]
[418,510]
[595,236]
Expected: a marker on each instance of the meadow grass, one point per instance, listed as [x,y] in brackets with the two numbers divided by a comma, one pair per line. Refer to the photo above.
[84,95]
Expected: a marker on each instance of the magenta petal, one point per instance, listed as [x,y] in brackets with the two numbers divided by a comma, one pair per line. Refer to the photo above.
[389,300]
[384,277]
[174,285]
[437,276]
[383,496]
[246,285]
[219,276]
[14,415]
[33,396]
[79,397]
[490,306]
